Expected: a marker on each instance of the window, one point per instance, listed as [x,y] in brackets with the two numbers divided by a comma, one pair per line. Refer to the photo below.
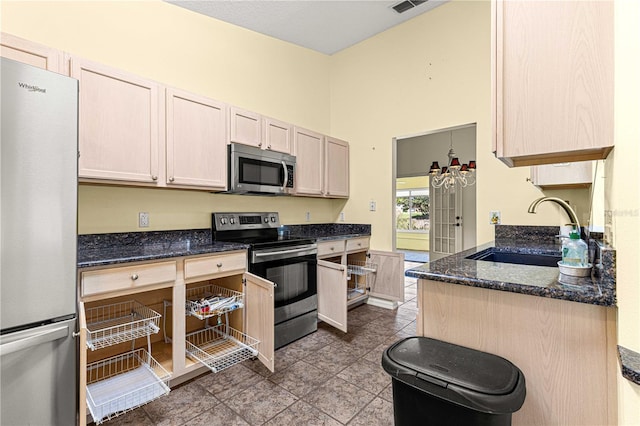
[412,210]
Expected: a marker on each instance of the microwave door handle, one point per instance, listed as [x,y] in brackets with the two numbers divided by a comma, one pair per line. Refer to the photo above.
[286,176]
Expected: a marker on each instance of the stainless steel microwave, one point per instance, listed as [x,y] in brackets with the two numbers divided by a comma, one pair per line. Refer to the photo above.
[256,171]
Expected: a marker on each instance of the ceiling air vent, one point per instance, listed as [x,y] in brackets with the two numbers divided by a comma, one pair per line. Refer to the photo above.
[403,6]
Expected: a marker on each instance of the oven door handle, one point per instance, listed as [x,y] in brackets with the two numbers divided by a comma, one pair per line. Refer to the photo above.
[282,254]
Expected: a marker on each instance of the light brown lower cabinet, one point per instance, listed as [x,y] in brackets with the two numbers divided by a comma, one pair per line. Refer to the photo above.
[139,340]
[349,273]
[566,350]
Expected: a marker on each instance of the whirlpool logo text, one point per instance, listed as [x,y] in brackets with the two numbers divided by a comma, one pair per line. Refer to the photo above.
[32,88]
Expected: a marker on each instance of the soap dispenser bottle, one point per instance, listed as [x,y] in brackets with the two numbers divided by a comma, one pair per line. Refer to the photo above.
[574,250]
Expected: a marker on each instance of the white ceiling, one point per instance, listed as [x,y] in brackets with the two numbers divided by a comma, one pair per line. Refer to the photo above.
[326,26]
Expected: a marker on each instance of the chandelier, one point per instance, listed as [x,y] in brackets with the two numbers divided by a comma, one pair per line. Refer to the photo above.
[453,173]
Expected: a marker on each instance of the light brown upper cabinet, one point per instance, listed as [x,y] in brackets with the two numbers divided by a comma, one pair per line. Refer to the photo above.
[119,126]
[322,165]
[563,175]
[253,129]
[552,81]
[336,168]
[31,53]
[308,148]
[196,141]
[245,127]
[277,135]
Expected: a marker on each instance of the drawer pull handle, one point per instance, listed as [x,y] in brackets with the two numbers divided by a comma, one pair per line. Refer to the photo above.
[333,248]
[134,277]
[219,264]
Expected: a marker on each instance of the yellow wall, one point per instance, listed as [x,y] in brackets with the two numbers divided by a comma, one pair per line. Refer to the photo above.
[432,72]
[183,49]
[429,73]
[622,193]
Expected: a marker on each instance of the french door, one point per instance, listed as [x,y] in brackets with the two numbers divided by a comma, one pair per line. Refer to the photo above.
[445,235]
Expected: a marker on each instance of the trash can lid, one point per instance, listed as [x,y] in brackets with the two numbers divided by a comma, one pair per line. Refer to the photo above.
[459,365]
[434,360]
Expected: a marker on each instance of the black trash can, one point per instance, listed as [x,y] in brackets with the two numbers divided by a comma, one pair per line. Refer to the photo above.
[439,383]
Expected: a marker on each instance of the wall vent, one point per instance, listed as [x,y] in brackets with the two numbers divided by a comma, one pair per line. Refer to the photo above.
[403,6]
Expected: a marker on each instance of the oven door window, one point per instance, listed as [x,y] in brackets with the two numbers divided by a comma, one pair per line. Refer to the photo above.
[295,279]
[260,172]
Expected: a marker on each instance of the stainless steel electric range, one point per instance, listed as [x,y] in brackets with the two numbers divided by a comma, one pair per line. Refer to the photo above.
[289,262]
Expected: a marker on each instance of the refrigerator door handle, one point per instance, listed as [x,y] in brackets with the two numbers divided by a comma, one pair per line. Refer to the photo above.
[34,340]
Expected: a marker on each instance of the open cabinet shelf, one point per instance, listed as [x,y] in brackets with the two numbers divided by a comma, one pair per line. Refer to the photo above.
[359,278]
[211,300]
[220,347]
[116,323]
[124,382]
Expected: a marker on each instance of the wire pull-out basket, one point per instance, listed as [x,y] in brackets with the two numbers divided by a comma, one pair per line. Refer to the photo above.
[119,322]
[360,275]
[211,300]
[220,347]
[124,382]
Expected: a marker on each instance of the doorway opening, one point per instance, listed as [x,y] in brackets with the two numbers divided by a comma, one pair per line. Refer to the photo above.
[430,222]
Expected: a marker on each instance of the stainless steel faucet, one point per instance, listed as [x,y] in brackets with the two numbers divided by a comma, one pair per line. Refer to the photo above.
[567,208]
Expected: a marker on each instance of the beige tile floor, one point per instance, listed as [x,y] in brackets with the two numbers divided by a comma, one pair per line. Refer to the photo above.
[326,378]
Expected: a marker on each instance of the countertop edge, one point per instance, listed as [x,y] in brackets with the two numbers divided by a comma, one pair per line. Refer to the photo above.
[456,269]
[630,364]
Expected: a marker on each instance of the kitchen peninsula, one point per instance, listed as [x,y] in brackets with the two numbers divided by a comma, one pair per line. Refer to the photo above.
[560,333]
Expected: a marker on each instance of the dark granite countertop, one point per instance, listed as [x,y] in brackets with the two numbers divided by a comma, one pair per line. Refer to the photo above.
[329,231]
[630,361]
[543,281]
[112,249]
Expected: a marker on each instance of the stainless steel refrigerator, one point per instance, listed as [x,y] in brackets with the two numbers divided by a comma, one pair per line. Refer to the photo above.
[38,156]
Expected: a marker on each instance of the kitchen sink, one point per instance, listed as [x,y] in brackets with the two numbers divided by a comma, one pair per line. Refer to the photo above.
[517,258]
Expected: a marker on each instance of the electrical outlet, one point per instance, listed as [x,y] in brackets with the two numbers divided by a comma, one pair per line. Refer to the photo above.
[372,206]
[341,216]
[143,220]
[308,216]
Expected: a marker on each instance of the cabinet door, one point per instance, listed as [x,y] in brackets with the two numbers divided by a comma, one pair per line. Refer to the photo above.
[563,175]
[389,277]
[336,168]
[553,81]
[277,135]
[332,294]
[307,147]
[31,53]
[259,310]
[245,127]
[82,365]
[119,124]
[196,141]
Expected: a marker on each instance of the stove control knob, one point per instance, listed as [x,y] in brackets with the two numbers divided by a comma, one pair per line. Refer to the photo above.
[273,219]
[266,219]
[223,220]
[232,220]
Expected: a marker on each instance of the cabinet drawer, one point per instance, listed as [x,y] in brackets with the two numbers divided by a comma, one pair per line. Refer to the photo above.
[356,244]
[221,264]
[127,277]
[329,248]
